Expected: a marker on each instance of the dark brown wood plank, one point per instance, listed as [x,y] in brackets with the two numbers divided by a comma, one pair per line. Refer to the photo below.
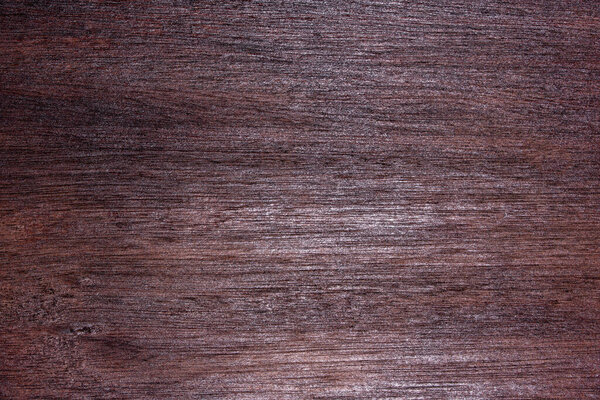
[300,199]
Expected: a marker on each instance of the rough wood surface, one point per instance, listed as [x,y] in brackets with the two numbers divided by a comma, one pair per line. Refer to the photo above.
[300,199]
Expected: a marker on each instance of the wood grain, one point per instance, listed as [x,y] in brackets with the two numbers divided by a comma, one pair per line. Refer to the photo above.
[300,199]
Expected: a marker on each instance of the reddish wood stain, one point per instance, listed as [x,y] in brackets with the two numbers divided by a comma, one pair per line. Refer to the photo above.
[300,199]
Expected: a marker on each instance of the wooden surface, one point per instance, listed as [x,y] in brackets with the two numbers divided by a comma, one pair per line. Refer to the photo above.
[300,200]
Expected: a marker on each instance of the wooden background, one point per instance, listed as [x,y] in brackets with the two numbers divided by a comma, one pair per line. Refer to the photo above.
[300,199]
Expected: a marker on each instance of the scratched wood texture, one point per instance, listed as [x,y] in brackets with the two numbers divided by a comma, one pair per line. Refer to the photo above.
[300,199]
